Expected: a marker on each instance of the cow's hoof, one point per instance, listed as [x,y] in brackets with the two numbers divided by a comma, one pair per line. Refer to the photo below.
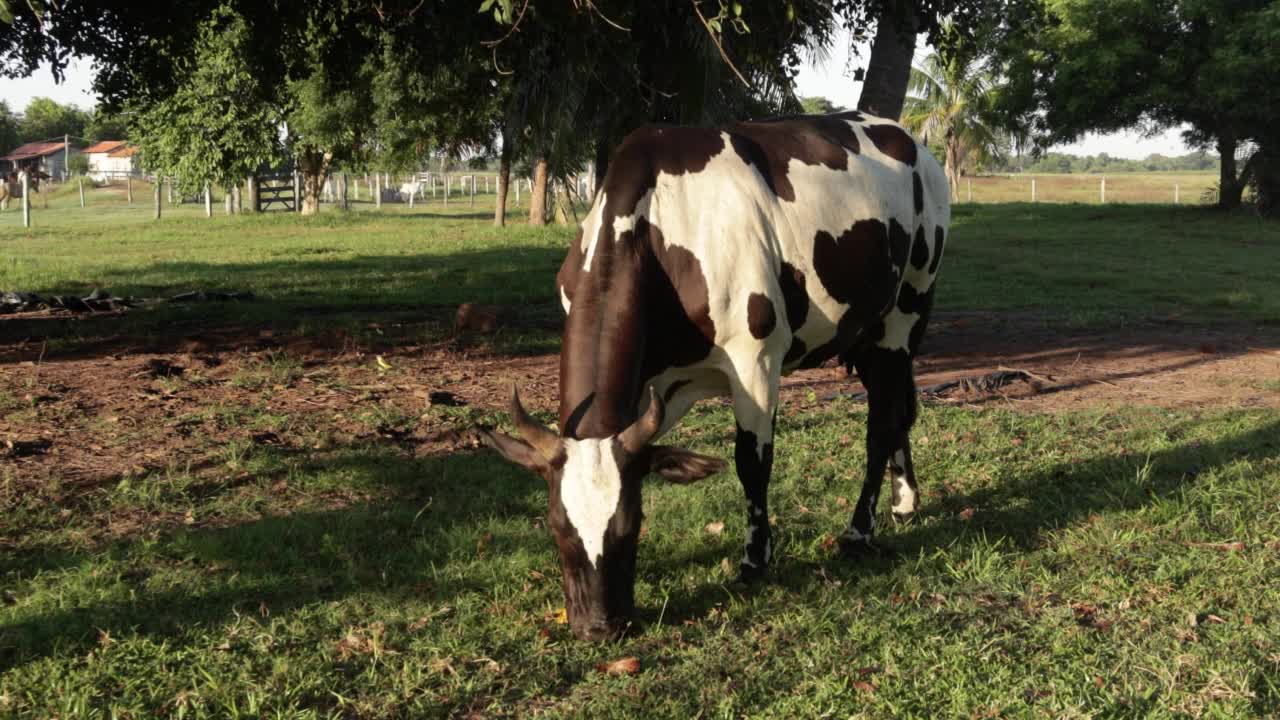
[863,548]
[750,574]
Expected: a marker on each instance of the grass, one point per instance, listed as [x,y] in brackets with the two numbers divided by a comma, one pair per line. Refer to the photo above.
[408,270]
[1065,566]
[1109,562]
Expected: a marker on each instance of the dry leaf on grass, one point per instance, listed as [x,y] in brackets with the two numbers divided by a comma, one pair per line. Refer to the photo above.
[714,528]
[625,666]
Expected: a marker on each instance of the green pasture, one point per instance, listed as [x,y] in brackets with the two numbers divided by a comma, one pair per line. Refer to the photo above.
[1107,562]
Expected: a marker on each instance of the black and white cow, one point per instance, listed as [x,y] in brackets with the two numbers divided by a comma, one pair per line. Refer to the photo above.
[711,263]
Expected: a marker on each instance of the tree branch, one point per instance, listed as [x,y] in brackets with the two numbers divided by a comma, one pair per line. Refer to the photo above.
[715,39]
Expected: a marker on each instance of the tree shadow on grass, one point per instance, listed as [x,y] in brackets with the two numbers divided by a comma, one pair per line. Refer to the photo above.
[303,291]
[436,509]
[385,546]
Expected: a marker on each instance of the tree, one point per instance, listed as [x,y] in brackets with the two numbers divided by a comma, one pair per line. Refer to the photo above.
[1096,65]
[818,106]
[9,128]
[46,119]
[950,101]
[104,125]
[218,126]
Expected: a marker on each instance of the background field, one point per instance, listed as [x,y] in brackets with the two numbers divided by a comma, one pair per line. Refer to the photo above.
[277,531]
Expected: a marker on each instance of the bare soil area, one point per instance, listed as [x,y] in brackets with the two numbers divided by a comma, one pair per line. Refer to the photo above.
[82,421]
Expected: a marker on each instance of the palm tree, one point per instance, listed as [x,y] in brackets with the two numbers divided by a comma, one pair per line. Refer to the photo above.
[949,101]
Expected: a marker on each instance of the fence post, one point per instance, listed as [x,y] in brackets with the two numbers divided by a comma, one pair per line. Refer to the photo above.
[81,191]
[970,181]
[235,199]
[1175,193]
[297,192]
[157,198]
[446,190]
[377,190]
[473,191]
[1103,190]
[252,186]
[26,200]
[486,184]
[208,201]
[413,190]
[168,185]
[517,192]
[128,186]
[1033,189]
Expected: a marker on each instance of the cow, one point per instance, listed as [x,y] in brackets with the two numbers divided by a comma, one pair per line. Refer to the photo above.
[711,263]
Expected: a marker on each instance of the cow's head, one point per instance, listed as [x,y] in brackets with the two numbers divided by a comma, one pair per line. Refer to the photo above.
[594,506]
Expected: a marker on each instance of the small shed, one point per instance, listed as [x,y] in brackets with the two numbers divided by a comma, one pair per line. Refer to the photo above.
[47,158]
[104,163]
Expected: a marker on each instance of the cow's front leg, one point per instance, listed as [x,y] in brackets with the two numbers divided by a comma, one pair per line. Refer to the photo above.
[755,399]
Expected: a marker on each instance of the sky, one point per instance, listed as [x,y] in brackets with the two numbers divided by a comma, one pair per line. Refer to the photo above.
[827,78]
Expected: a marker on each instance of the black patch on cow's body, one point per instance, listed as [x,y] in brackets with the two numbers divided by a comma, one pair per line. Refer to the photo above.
[854,268]
[917,192]
[674,388]
[924,306]
[920,250]
[899,244]
[677,306]
[892,141]
[909,300]
[794,297]
[939,237]
[795,352]
[771,145]
[761,317]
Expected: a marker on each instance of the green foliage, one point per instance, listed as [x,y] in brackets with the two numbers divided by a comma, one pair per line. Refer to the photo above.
[78,163]
[1097,65]
[819,105]
[10,128]
[950,100]
[1054,162]
[46,119]
[104,125]
[218,126]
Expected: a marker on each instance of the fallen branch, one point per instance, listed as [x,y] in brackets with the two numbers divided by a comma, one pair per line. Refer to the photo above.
[988,383]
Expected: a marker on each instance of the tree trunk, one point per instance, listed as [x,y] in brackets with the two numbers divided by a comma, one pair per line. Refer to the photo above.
[342,192]
[952,164]
[538,197]
[1230,189]
[884,88]
[1265,165]
[504,180]
[315,168]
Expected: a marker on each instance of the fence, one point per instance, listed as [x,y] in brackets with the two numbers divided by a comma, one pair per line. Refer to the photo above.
[1176,188]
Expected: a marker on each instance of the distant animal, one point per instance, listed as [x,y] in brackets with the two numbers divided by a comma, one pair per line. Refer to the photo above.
[711,263]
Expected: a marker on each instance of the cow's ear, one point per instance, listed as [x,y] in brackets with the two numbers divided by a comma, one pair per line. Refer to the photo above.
[513,449]
[682,466]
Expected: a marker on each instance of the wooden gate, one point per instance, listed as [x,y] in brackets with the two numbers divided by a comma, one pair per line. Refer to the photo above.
[276,190]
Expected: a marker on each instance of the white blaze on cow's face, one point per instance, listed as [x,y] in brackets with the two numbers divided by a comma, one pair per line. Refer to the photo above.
[590,488]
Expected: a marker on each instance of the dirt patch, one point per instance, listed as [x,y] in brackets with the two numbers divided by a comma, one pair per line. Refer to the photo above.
[84,422]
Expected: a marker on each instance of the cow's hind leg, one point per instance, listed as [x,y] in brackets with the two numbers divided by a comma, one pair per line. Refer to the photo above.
[755,401]
[891,411]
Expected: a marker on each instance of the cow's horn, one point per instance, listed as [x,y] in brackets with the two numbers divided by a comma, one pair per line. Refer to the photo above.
[533,432]
[646,427]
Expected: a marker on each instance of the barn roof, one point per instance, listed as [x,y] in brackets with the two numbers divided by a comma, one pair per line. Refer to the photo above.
[104,146]
[125,151]
[35,149]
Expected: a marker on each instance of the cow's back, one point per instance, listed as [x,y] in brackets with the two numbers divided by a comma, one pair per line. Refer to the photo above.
[795,238]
